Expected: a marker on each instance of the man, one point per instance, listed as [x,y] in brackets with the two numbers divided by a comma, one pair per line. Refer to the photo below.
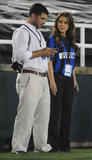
[29,48]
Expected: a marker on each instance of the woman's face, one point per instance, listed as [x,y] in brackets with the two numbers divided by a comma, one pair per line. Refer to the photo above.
[63,25]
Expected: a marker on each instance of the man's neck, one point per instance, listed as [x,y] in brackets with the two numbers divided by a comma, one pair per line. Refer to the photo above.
[29,21]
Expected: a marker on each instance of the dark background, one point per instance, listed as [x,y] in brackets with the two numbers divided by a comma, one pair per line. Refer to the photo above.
[19,9]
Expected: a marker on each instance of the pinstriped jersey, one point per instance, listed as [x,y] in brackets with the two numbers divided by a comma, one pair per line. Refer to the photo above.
[65,55]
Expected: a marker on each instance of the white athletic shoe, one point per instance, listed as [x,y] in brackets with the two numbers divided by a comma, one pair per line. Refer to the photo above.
[18,152]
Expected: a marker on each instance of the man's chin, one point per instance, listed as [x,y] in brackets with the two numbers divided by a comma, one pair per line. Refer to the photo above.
[38,27]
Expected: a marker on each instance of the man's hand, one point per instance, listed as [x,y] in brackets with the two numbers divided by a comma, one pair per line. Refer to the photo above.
[48,52]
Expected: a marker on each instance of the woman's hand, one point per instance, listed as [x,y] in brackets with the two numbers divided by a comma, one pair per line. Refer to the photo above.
[75,82]
[76,86]
[53,88]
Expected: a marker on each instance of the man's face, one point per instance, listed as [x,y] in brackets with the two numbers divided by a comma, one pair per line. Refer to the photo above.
[40,20]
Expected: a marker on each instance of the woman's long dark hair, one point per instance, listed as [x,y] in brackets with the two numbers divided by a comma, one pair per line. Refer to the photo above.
[70,32]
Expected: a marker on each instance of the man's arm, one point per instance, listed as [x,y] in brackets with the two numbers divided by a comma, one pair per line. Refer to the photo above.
[46,52]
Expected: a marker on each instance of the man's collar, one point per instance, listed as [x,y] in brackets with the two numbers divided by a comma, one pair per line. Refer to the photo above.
[31,26]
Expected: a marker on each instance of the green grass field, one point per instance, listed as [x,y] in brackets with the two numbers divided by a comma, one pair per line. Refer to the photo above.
[74,154]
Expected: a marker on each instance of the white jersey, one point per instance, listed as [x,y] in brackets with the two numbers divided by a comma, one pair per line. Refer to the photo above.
[25,40]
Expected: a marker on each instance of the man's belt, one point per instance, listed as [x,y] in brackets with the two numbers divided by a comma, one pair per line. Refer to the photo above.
[35,72]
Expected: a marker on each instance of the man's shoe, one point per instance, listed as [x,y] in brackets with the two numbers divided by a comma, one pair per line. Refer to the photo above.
[37,151]
[18,152]
[40,151]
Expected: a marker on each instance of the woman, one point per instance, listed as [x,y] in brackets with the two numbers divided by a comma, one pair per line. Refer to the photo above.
[62,80]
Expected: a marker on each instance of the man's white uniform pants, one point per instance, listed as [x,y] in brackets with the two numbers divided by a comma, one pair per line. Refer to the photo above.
[33,111]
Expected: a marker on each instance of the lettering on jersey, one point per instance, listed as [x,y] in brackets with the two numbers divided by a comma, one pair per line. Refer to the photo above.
[64,55]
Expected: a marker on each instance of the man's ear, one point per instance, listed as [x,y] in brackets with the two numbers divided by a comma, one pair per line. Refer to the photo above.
[33,16]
